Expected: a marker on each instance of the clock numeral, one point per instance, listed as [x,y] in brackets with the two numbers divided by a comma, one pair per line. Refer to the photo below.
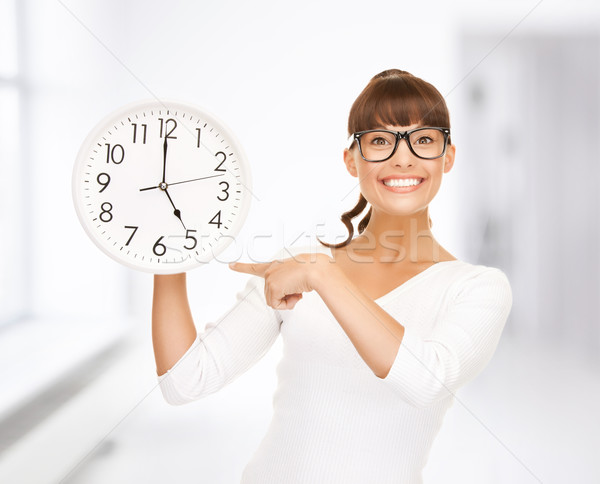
[199,130]
[224,191]
[144,126]
[132,234]
[159,247]
[165,124]
[192,238]
[103,183]
[116,154]
[216,220]
[105,215]
[217,156]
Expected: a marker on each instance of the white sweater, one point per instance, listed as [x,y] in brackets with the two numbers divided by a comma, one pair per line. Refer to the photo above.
[334,421]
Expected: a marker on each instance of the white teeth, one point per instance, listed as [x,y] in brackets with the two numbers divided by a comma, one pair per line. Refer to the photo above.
[397,182]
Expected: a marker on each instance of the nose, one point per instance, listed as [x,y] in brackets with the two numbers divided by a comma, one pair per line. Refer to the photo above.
[403,155]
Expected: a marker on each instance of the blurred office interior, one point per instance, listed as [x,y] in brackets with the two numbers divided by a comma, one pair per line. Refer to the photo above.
[79,400]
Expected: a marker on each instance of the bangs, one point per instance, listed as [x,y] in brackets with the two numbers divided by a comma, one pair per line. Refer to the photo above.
[398,101]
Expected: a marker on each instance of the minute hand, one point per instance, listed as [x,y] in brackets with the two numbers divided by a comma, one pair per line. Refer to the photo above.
[164,159]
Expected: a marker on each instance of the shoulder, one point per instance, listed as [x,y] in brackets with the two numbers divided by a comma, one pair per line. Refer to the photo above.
[479,282]
[464,271]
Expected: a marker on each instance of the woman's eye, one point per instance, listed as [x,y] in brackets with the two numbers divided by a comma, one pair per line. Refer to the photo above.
[423,140]
[380,141]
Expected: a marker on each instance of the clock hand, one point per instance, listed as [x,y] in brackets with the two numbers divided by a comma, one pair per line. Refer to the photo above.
[176,211]
[185,181]
[164,159]
[196,179]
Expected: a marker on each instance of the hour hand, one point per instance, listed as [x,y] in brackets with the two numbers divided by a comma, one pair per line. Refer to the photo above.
[176,211]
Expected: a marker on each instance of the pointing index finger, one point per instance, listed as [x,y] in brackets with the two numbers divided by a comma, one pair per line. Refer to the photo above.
[257,269]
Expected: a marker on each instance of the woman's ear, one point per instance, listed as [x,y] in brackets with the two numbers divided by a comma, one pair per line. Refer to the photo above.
[449,158]
[350,162]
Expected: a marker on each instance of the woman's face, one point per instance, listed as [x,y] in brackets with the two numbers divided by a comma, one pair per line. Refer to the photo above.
[379,180]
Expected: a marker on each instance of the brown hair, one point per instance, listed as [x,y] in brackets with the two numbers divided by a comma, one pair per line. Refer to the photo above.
[397,98]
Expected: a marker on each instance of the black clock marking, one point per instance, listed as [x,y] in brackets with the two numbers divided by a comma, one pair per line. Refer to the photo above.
[135,228]
[116,154]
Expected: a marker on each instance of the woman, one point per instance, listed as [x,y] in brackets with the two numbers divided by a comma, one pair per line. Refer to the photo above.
[379,331]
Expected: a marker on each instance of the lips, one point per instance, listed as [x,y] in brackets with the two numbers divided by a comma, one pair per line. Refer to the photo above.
[402,184]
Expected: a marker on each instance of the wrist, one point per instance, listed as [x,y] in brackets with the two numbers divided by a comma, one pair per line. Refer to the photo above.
[169,279]
[323,273]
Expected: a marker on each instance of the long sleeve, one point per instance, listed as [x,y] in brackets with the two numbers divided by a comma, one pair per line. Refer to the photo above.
[225,349]
[428,369]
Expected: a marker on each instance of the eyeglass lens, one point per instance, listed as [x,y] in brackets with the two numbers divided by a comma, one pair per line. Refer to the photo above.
[379,145]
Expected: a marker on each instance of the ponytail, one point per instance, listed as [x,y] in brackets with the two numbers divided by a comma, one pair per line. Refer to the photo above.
[346,219]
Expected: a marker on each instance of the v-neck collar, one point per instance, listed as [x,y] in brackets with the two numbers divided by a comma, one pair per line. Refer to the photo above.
[412,281]
[409,282]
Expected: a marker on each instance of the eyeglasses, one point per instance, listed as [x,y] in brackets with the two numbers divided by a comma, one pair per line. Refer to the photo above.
[381,144]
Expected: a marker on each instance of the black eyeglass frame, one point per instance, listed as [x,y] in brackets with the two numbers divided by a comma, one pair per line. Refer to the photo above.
[401,135]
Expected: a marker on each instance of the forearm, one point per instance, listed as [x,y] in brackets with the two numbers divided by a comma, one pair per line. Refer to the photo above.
[374,333]
[173,330]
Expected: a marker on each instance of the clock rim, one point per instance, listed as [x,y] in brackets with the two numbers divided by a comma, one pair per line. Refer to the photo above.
[169,104]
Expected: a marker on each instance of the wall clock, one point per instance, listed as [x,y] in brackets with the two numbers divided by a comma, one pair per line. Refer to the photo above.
[161,186]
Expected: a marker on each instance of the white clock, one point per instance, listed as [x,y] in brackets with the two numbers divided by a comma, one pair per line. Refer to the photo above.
[161,186]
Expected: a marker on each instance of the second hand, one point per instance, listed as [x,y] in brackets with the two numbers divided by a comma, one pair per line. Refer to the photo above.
[184,181]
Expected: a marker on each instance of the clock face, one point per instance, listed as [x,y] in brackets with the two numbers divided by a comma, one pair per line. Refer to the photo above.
[161,186]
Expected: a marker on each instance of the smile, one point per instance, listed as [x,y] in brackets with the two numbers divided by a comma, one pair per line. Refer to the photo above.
[402,185]
[402,182]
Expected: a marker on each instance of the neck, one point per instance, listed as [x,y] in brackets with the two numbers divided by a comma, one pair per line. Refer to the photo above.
[393,238]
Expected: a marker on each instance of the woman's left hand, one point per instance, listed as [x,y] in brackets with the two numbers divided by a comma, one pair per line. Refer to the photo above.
[287,279]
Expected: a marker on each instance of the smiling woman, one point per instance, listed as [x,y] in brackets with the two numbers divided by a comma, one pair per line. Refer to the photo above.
[379,331]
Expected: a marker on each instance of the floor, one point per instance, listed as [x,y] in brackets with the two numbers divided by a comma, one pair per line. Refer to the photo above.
[531,416]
